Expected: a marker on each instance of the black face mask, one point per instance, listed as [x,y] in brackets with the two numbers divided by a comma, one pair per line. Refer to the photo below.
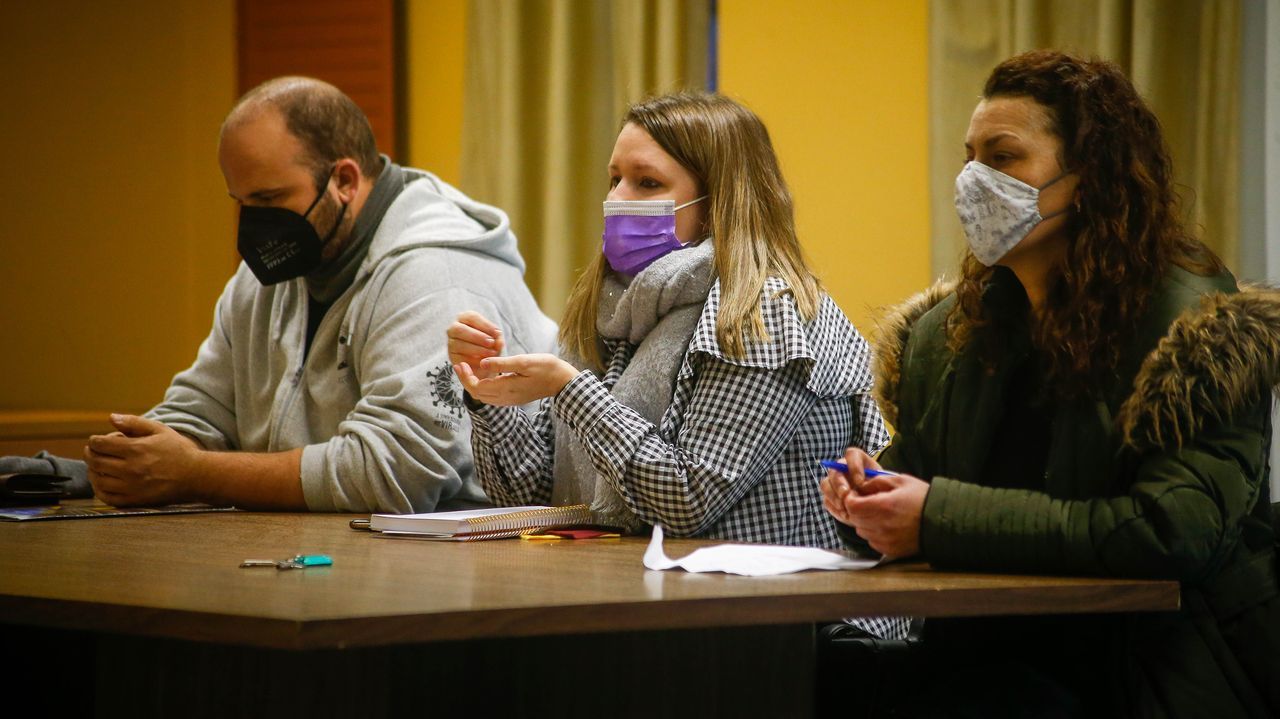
[279,244]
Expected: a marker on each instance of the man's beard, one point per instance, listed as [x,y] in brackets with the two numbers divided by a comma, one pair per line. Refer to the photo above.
[325,215]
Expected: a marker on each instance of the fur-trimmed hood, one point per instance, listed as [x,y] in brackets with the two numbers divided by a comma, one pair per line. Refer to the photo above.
[893,329]
[1213,360]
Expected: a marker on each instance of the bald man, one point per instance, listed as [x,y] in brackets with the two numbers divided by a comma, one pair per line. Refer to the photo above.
[325,382]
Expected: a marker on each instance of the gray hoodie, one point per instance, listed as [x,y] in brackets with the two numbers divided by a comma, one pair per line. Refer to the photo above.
[374,404]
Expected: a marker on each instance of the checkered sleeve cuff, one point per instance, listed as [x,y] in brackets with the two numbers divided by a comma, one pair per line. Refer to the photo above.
[583,402]
[492,420]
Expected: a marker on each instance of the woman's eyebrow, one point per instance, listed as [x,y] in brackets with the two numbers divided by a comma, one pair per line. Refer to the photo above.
[638,166]
[987,143]
[998,137]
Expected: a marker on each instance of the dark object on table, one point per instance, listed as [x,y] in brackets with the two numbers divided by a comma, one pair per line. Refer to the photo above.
[24,489]
[74,471]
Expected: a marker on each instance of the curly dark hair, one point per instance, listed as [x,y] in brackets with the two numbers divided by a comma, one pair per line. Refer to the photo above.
[1126,231]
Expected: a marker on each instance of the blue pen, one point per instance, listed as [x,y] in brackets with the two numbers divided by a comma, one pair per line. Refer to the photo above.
[842,467]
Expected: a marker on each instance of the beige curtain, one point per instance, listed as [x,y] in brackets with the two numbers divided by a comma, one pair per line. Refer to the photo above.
[1183,55]
[547,82]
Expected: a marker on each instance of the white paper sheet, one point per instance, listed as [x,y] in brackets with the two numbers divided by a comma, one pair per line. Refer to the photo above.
[750,560]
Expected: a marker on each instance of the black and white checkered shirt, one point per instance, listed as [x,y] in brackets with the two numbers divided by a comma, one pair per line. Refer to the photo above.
[735,455]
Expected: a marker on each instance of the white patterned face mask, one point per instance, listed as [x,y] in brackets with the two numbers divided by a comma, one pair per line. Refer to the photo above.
[996,210]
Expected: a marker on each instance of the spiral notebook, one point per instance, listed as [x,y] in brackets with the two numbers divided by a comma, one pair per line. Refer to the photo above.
[473,524]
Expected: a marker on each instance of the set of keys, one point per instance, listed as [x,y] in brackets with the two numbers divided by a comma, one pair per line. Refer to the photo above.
[298,561]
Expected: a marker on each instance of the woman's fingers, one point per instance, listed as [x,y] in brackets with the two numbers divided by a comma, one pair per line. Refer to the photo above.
[519,364]
[838,483]
[477,322]
[878,484]
[461,335]
[855,457]
[832,495]
[468,378]
[472,339]
[460,351]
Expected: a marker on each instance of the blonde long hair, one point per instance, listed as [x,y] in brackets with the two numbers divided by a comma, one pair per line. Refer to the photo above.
[751,218]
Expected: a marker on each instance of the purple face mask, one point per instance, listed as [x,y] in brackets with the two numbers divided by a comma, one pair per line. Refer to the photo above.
[638,232]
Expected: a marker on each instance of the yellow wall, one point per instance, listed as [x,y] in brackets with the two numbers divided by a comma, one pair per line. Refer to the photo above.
[117,234]
[434,53]
[843,88]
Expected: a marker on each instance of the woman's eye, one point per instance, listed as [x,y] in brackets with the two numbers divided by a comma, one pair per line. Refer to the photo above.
[650,184]
[613,182]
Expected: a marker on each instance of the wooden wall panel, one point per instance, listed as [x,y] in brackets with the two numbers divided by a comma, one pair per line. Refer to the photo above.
[60,432]
[349,44]
[118,234]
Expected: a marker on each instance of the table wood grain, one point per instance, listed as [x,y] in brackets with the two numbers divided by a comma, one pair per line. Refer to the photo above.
[178,576]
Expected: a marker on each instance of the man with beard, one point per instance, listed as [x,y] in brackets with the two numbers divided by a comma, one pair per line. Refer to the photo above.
[325,384]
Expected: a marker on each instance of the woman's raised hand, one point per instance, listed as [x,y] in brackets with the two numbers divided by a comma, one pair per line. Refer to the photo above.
[472,339]
[515,380]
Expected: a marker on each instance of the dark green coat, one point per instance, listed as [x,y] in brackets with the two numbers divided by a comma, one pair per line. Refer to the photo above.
[1184,497]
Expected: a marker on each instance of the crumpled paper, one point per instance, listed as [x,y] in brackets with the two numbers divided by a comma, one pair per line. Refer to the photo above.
[751,560]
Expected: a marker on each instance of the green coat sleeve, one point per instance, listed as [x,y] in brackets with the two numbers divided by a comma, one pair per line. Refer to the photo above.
[1178,518]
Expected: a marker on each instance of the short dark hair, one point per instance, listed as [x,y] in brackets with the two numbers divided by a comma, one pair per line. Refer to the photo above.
[329,124]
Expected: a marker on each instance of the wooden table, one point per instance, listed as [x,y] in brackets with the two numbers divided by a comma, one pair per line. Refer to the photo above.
[170,623]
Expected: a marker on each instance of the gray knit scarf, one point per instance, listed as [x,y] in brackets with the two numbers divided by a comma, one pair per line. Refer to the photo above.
[655,312]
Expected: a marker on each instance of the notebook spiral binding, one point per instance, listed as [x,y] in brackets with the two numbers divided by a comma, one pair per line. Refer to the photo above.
[516,523]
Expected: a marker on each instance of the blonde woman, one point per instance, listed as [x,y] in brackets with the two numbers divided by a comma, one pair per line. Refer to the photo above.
[703,371]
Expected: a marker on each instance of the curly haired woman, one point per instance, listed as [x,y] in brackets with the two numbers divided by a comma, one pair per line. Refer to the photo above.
[1092,397]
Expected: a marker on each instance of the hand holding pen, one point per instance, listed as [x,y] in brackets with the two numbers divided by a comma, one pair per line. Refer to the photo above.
[884,508]
[866,471]
[864,468]
[852,476]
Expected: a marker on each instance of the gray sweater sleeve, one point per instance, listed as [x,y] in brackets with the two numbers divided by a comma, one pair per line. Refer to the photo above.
[200,402]
[404,446]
